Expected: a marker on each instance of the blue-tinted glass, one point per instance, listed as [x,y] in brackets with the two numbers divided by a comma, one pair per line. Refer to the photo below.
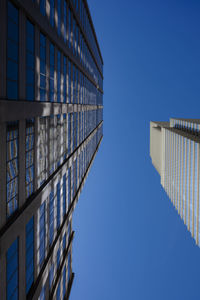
[69,266]
[42,294]
[64,242]
[12,271]
[64,281]
[59,15]
[42,233]
[58,292]
[58,77]
[69,187]
[12,52]
[64,194]
[51,275]
[51,217]
[58,205]
[52,12]
[29,254]
[43,7]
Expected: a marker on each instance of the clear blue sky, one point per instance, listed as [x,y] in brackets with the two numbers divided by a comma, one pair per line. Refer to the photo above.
[129,241]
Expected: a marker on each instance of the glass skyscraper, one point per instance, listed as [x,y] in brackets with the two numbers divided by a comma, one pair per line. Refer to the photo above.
[175,153]
[51,126]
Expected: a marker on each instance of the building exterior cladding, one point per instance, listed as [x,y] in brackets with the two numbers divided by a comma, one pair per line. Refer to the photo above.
[175,153]
[51,126]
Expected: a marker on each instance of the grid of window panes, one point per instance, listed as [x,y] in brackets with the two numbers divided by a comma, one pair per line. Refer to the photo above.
[29,157]
[42,172]
[12,269]
[12,167]
[30,61]
[29,254]
[72,35]
[12,51]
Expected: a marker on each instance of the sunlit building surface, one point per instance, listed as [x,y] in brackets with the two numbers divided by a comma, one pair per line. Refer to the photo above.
[51,118]
[175,153]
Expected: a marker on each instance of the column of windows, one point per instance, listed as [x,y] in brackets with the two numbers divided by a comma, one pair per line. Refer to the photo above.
[12,142]
[30,61]
[12,51]
[29,157]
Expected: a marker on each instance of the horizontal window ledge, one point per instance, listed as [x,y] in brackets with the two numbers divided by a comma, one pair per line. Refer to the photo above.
[12,110]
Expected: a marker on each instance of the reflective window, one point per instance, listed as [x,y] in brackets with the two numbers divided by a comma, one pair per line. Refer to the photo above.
[64,79]
[64,194]
[51,144]
[43,7]
[64,242]
[12,267]
[51,77]
[69,27]
[42,233]
[69,134]
[59,15]
[69,82]
[51,275]
[65,21]
[12,142]
[58,141]
[29,254]
[52,8]
[30,61]
[42,170]
[64,281]
[65,140]
[58,204]
[69,266]
[58,77]
[42,294]
[29,157]
[12,51]
[42,67]
[69,187]
[51,217]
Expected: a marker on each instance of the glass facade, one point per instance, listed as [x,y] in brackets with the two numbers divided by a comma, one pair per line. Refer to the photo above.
[51,142]
[12,271]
